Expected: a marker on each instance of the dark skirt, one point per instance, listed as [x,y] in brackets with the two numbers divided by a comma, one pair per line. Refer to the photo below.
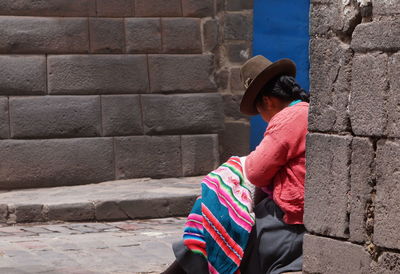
[273,247]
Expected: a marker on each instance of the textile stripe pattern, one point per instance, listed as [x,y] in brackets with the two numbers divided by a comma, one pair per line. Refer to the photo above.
[221,219]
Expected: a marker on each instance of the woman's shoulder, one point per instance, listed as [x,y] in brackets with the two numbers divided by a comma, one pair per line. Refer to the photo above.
[296,113]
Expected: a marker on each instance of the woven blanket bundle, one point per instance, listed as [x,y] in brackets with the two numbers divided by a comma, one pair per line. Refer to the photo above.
[221,219]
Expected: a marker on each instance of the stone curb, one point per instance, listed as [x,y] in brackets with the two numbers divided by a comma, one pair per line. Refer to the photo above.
[109,201]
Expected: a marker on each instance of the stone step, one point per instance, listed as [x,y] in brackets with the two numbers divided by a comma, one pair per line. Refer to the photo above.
[108,201]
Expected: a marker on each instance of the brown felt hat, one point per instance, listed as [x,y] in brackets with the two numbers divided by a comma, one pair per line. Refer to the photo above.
[256,73]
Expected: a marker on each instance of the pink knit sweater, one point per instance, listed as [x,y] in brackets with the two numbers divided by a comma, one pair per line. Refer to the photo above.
[279,161]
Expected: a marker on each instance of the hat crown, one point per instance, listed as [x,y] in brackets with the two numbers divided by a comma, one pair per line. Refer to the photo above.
[252,68]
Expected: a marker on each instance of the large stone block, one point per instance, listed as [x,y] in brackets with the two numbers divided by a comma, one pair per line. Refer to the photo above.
[55,116]
[49,8]
[236,83]
[181,73]
[327,184]
[232,105]
[143,35]
[71,212]
[154,8]
[393,98]
[121,115]
[148,156]
[107,35]
[4,120]
[22,75]
[238,26]
[26,213]
[182,114]
[43,35]
[238,5]
[322,18]
[368,95]
[362,176]
[324,255]
[109,211]
[235,140]
[385,7]
[210,34]
[195,8]
[181,35]
[97,74]
[55,162]
[330,75]
[199,154]
[387,211]
[336,16]
[377,35]
[115,8]
[160,207]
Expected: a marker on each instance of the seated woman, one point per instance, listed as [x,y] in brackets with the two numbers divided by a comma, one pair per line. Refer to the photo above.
[233,230]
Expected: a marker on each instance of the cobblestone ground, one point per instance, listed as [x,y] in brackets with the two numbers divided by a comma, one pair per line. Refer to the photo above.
[142,246]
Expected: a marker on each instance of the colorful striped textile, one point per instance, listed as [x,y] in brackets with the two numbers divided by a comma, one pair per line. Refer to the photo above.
[221,219]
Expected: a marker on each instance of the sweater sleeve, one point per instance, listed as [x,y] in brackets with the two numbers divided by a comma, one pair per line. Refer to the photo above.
[267,159]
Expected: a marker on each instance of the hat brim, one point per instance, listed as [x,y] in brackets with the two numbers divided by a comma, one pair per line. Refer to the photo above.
[281,67]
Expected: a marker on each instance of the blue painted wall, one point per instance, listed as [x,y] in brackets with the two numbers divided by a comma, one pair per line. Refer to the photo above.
[280,31]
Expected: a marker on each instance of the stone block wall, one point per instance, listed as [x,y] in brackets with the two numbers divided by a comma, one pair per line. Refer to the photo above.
[96,90]
[352,193]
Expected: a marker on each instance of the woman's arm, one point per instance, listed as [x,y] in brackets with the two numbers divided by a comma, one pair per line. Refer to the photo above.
[267,159]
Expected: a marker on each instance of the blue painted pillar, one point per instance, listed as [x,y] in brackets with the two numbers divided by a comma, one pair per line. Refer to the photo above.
[280,31]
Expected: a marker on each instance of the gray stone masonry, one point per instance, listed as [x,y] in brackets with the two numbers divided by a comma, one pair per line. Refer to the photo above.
[382,36]
[362,177]
[191,73]
[52,162]
[96,80]
[387,213]
[385,7]
[194,8]
[353,148]
[324,255]
[181,35]
[120,115]
[49,8]
[115,8]
[107,35]
[94,74]
[330,73]
[328,157]
[59,116]
[43,35]
[143,35]
[180,114]
[144,156]
[155,8]
[368,117]
[22,75]
[199,154]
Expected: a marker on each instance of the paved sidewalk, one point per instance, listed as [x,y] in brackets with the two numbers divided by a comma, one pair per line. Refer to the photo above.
[142,246]
[108,201]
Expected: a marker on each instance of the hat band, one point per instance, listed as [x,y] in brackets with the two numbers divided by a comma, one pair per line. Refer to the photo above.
[247,82]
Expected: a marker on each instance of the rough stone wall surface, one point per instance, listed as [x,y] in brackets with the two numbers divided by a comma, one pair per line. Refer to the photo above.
[352,191]
[96,90]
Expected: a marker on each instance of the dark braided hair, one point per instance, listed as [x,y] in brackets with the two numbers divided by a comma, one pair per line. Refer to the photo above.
[285,88]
